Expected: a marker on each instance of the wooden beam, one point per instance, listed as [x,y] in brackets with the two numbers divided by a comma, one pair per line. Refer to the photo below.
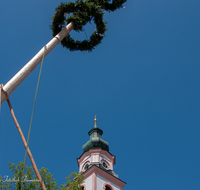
[11,85]
[25,143]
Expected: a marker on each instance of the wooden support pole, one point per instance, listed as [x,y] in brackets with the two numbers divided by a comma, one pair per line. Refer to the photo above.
[25,143]
[11,85]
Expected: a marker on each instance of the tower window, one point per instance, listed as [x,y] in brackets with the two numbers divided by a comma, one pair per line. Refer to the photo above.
[108,188]
[83,187]
[86,166]
[105,164]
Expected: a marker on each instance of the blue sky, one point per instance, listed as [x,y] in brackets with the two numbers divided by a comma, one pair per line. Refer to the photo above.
[142,82]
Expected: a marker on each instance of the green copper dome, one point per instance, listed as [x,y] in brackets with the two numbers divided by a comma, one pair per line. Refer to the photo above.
[95,139]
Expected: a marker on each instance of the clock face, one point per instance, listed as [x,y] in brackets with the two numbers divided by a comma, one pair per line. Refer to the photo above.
[105,164]
[86,166]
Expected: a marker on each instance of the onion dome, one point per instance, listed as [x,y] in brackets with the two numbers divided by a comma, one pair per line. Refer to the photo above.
[95,139]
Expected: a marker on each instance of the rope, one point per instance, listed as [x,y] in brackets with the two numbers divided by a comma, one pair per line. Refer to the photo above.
[85,33]
[33,109]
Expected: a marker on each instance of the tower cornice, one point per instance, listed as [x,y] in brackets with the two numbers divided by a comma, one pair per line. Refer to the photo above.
[96,151]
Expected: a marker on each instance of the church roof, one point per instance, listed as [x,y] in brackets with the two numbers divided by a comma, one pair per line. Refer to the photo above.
[95,139]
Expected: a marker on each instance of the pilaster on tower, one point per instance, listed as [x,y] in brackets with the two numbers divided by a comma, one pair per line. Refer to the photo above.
[97,163]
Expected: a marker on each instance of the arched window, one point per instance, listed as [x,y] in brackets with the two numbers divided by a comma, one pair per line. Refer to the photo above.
[86,166]
[83,187]
[107,187]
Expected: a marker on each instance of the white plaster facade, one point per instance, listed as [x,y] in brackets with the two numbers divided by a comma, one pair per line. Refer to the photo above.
[88,183]
[92,156]
[96,177]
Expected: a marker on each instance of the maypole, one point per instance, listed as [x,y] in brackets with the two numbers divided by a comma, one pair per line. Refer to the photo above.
[83,12]
[13,83]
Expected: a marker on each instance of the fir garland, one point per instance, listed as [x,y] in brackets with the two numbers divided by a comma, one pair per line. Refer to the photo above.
[83,12]
[109,5]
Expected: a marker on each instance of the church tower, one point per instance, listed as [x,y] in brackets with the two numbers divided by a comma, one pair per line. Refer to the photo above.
[97,163]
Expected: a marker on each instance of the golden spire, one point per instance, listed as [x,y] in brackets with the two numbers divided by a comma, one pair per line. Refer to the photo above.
[95,121]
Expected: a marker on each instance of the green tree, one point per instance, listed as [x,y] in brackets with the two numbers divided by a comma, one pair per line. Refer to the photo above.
[29,181]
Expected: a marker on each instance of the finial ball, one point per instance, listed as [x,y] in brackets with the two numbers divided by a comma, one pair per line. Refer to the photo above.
[95,118]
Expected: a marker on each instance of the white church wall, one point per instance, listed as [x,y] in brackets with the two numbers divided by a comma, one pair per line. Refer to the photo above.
[104,156]
[88,183]
[85,158]
[101,181]
[95,158]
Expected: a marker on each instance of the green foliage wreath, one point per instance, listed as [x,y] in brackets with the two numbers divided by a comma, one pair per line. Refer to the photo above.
[83,12]
[109,5]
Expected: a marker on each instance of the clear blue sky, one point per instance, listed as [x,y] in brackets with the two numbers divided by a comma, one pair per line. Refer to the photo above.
[142,82]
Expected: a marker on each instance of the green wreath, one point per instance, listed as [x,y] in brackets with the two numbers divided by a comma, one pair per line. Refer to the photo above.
[83,12]
[109,5]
